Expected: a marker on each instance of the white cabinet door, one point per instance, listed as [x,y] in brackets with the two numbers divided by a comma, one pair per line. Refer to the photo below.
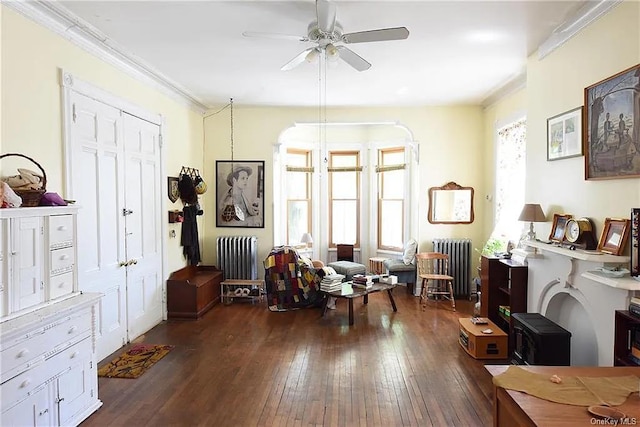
[26,261]
[34,411]
[75,388]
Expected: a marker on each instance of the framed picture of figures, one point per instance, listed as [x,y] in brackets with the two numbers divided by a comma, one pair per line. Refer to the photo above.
[240,193]
[611,131]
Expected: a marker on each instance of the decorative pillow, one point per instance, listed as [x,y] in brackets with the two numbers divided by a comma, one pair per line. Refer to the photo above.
[410,249]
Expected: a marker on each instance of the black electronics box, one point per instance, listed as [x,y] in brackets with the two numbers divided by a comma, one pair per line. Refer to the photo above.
[539,341]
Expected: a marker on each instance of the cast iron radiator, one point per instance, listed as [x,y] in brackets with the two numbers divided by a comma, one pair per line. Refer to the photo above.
[459,251]
[238,257]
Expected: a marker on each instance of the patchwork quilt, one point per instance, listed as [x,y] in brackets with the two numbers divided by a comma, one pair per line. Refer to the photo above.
[291,280]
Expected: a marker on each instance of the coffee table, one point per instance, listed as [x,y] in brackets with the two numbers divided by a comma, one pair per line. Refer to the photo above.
[351,292]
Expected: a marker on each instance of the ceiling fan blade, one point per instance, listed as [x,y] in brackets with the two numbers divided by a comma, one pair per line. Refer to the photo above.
[353,59]
[398,33]
[326,15]
[275,36]
[299,59]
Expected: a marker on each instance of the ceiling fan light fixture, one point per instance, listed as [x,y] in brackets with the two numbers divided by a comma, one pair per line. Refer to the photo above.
[332,52]
[312,56]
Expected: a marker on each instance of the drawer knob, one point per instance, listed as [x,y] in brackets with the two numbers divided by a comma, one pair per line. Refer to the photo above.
[73,329]
[25,383]
[61,285]
[75,354]
[62,227]
[64,257]
[23,352]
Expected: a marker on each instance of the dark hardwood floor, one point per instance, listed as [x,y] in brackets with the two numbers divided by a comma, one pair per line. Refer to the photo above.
[242,365]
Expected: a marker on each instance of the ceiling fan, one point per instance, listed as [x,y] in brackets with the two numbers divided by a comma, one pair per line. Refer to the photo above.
[327,33]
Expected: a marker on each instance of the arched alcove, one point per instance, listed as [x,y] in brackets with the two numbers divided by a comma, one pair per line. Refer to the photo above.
[567,312]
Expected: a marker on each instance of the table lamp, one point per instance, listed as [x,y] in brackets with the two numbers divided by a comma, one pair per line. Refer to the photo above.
[306,239]
[531,212]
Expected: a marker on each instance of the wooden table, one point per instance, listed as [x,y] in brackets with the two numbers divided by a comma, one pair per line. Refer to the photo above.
[351,292]
[515,408]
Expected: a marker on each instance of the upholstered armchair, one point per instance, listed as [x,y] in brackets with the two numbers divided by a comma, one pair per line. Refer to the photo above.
[404,268]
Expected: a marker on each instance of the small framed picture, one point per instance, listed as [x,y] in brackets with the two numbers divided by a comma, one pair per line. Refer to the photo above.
[564,135]
[557,229]
[172,188]
[614,235]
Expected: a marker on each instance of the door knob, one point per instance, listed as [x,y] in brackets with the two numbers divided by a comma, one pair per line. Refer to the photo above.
[126,212]
[124,263]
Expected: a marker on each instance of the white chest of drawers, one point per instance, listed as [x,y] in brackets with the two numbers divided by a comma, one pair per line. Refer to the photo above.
[48,372]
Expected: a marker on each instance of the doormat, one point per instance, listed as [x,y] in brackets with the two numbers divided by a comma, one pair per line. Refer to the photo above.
[135,361]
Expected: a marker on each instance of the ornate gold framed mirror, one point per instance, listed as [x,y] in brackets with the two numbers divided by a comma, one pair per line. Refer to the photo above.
[451,204]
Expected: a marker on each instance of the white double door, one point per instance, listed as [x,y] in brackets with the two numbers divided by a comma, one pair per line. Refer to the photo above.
[115,178]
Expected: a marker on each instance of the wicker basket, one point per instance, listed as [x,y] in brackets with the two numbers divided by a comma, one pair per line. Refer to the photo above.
[30,198]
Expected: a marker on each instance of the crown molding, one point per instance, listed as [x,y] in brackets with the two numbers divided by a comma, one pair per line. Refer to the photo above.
[61,21]
[512,86]
[569,28]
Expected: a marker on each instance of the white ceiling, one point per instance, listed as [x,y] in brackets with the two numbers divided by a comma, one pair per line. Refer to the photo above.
[458,52]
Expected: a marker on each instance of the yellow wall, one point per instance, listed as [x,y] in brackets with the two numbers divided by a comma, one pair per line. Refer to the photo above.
[556,84]
[456,143]
[450,140]
[31,104]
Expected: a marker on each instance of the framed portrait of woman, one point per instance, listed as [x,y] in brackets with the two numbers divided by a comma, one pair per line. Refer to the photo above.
[240,193]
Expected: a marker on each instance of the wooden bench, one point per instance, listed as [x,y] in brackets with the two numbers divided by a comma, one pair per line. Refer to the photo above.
[192,291]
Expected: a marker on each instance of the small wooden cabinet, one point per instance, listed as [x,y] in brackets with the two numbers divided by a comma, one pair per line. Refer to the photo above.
[504,284]
[625,325]
[192,291]
[480,345]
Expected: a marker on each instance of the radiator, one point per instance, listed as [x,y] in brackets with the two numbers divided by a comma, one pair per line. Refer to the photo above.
[238,257]
[459,251]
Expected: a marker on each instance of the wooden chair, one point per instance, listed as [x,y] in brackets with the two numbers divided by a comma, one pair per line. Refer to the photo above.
[433,270]
[344,252]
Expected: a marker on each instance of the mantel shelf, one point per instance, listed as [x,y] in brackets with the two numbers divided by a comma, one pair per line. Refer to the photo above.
[580,254]
[627,282]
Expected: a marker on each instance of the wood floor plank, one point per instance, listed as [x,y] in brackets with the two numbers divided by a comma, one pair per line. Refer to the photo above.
[242,365]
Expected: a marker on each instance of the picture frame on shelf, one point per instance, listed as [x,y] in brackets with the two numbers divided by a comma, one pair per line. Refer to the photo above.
[240,193]
[635,242]
[558,227]
[614,235]
[610,136]
[564,135]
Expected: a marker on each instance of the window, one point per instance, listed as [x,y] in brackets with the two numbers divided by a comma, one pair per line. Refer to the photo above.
[298,194]
[344,197]
[391,191]
[356,187]
[510,180]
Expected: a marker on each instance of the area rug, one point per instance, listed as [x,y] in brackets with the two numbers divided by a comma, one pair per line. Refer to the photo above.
[134,361]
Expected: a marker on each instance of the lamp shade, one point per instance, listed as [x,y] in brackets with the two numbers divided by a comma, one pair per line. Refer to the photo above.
[532,212]
[306,238]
